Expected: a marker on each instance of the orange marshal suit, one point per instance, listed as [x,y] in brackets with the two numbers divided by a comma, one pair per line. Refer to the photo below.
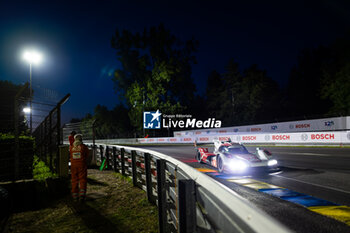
[78,156]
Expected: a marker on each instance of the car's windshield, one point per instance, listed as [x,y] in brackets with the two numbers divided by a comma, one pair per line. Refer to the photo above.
[237,149]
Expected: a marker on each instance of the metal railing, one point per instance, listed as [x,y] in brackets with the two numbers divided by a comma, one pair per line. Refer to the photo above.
[187,200]
[48,136]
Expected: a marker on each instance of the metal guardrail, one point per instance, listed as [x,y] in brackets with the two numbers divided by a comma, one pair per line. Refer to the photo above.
[187,200]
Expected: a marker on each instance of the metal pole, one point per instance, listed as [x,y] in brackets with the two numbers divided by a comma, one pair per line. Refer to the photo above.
[122,158]
[134,169]
[161,191]
[31,96]
[143,109]
[148,178]
[187,206]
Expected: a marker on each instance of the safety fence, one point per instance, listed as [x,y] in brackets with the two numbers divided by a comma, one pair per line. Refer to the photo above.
[48,136]
[187,200]
[16,167]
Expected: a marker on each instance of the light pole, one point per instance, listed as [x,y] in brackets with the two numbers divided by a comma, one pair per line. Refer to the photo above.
[32,57]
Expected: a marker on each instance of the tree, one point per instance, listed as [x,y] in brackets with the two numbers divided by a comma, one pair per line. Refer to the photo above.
[155,71]
[259,95]
[8,91]
[109,123]
[303,90]
[237,98]
[336,88]
[318,85]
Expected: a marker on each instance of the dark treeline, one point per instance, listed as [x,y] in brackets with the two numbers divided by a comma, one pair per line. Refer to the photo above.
[8,92]
[156,74]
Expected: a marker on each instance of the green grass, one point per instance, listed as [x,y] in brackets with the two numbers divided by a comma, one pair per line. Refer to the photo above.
[115,205]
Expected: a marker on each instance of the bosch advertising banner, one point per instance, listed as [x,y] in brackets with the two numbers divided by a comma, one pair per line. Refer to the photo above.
[323,137]
[325,124]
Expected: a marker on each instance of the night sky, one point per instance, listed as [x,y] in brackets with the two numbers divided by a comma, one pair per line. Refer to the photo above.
[78,59]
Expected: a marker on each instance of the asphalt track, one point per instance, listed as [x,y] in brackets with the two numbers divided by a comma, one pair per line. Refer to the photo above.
[319,174]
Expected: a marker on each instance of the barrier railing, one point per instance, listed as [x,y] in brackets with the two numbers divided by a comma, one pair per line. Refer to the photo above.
[187,200]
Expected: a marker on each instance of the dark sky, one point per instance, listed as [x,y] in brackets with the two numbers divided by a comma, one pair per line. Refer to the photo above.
[75,39]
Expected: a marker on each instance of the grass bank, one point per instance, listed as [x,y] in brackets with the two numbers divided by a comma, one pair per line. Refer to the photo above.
[112,205]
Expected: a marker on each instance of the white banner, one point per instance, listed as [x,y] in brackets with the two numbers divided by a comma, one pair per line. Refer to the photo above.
[325,124]
[325,137]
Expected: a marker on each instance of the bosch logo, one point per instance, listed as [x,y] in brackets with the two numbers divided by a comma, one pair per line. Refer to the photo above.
[274,127]
[267,137]
[255,129]
[249,138]
[203,139]
[280,137]
[208,132]
[301,126]
[304,137]
[322,136]
[291,126]
[235,130]
[248,129]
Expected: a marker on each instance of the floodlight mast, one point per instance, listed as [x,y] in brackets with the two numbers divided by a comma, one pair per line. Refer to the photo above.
[32,57]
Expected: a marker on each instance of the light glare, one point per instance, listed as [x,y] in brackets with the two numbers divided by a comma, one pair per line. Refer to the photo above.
[238,165]
[32,57]
[26,110]
[272,162]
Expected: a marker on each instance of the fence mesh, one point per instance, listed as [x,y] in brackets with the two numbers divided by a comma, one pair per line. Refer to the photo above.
[86,128]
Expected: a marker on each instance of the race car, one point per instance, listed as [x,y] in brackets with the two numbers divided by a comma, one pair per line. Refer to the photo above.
[230,157]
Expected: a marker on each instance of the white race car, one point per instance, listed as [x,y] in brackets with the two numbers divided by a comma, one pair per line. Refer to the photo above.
[233,157]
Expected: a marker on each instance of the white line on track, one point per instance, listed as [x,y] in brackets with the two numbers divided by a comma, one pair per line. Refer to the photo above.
[295,153]
[318,185]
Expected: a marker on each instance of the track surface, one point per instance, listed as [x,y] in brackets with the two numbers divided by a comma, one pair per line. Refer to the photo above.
[320,172]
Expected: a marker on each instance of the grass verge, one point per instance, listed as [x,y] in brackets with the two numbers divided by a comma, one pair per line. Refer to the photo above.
[112,205]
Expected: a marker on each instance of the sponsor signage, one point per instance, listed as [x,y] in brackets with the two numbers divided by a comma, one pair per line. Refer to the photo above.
[316,125]
[301,126]
[204,139]
[301,138]
[248,138]
[280,137]
[326,136]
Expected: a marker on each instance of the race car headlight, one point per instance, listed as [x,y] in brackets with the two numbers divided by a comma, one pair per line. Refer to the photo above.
[238,165]
[272,162]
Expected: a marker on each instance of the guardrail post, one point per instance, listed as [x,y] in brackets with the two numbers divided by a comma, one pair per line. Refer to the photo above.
[101,154]
[115,161]
[162,217]
[148,173]
[107,157]
[122,154]
[187,206]
[133,165]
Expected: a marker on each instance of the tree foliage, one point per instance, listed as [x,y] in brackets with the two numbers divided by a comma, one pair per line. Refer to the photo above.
[8,91]
[108,123]
[318,84]
[155,71]
[238,98]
